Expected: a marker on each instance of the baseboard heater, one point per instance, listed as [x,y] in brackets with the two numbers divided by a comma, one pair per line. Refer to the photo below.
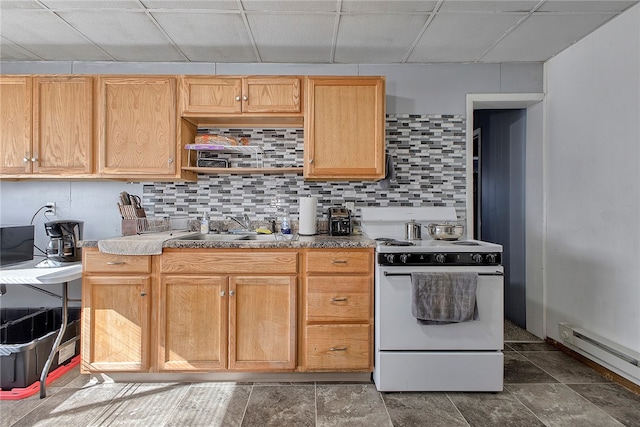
[621,360]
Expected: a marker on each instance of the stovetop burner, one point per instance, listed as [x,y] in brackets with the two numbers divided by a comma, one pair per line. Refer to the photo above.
[393,242]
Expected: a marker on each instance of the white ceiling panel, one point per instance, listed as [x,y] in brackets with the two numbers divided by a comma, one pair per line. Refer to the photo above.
[88,4]
[178,5]
[584,5]
[488,6]
[45,36]
[394,6]
[561,32]
[125,36]
[376,38]
[454,37]
[298,31]
[206,37]
[292,37]
[290,5]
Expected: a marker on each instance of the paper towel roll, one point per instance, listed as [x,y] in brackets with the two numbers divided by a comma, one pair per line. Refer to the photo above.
[308,207]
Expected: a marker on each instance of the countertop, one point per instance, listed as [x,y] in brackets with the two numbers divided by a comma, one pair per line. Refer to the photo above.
[318,241]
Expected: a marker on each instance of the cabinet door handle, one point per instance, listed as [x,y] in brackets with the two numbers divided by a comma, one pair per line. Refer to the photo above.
[338,348]
[115,262]
[237,98]
[25,159]
[244,98]
[142,294]
[310,160]
[339,261]
[34,159]
[232,293]
[222,293]
[338,299]
[170,160]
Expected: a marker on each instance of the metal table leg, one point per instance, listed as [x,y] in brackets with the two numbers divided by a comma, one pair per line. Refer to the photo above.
[56,344]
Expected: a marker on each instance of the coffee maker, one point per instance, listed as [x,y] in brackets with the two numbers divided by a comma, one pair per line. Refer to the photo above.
[63,245]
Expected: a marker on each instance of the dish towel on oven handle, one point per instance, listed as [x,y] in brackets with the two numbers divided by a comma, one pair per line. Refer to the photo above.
[443,298]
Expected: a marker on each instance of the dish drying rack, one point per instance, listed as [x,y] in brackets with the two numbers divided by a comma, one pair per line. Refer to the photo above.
[252,150]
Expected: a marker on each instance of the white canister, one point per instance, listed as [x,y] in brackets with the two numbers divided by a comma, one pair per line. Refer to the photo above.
[308,208]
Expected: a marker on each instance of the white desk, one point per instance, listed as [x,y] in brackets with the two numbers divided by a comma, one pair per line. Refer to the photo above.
[26,274]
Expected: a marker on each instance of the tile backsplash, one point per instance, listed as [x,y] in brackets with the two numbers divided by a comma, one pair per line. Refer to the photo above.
[428,154]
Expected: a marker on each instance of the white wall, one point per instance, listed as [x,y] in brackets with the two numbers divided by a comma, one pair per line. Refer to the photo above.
[593,183]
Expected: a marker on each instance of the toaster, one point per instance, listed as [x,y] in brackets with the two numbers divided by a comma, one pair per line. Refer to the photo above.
[339,222]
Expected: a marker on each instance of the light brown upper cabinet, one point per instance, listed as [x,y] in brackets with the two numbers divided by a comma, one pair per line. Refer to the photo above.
[237,95]
[344,128]
[47,126]
[137,135]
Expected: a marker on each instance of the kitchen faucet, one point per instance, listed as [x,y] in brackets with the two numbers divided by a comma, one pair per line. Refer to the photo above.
[245,222]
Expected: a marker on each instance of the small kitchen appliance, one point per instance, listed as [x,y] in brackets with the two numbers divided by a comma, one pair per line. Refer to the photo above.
[413,356]
[339,221]
[63,245]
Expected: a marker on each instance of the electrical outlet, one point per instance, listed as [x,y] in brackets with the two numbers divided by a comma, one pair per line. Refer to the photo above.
[51,208]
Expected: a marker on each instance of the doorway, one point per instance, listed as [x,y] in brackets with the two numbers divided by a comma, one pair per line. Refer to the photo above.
[499,199]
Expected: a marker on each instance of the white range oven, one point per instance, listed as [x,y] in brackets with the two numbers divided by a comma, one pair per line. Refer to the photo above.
[413,356]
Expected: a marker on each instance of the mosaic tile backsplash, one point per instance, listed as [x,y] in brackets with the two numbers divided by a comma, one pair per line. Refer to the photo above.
[429,159]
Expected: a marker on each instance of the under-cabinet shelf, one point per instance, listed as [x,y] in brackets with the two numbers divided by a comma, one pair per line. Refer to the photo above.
[244,171]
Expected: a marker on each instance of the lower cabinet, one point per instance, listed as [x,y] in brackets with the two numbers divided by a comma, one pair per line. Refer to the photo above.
[226,310]
[116,307]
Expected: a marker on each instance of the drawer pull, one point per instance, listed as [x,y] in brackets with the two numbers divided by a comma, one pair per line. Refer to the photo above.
[115,262]
[338,348]
[339,261]
[339,299]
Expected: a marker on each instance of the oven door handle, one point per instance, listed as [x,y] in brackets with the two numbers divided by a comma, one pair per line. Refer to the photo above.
[497,273]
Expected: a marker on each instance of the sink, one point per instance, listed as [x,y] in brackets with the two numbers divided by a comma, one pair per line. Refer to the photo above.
[270,237]
[210,237]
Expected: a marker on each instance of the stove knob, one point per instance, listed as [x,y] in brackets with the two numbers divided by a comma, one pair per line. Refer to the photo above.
[491,258]
[477,258]
[390,258]
[439,258]
[404,258]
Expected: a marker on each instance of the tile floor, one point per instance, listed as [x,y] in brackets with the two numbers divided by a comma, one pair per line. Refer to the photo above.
[543,387]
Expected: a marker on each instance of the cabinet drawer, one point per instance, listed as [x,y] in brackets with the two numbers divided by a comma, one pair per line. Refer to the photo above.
[98,262]
[230,262]
[337,261]
[338,299]
[338,347]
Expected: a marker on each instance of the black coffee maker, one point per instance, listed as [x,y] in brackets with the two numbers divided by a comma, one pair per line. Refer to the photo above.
[64,239]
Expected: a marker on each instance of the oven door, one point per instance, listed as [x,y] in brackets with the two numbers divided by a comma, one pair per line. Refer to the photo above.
[397,329]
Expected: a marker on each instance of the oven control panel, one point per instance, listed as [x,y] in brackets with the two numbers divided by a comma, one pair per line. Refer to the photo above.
[439,258]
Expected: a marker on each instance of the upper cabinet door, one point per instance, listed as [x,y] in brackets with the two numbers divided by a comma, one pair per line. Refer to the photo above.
[137,126]
[271,95]
[205,95]
[15,124]
[63,125]
[344,128]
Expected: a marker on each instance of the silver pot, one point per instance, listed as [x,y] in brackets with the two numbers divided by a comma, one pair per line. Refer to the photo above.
[445,231]
[412,230]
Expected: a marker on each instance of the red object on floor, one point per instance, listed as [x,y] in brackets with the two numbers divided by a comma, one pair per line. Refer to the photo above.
[21,393]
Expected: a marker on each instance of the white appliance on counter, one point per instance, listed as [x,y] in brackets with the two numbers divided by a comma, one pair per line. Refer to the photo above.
[412,356]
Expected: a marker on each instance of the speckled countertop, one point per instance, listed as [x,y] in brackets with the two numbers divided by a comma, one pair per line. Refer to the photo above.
[180,240]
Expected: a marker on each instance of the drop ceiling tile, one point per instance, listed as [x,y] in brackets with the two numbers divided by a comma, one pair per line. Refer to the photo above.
[209,37]
[585,5]
[191,4]
[543,35]
[372,38]
[488,6]
[12,52]
[46,36]
[292,37]
[290,5]
[455,37]
[395,6]
[19,4]
[126,36]
[88,4]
